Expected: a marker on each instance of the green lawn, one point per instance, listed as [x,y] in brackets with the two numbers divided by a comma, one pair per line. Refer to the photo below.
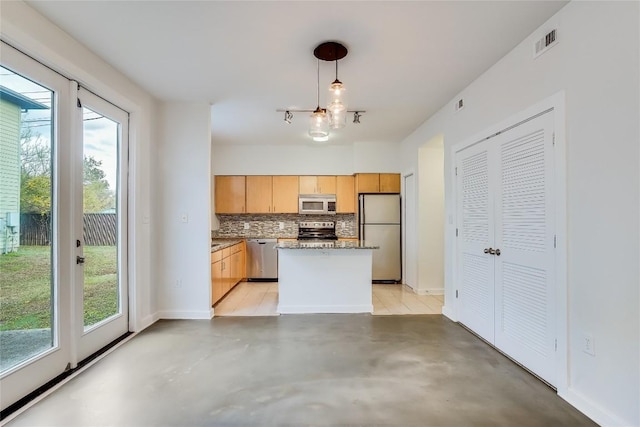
[25,287]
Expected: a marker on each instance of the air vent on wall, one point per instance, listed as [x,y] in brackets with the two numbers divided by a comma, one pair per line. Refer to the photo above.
[545,43]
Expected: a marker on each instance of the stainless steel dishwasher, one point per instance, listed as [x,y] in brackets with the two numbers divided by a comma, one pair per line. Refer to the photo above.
[262,259]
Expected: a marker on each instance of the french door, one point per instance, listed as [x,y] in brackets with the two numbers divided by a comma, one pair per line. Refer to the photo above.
[101,223]
[63,289]
[506,267]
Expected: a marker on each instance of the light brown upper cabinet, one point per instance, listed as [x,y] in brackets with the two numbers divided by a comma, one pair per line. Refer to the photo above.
[230,194]
[285,194]
[322,184]
[389,182]
[345,194]
[368,182]
[377,183]
[259,194]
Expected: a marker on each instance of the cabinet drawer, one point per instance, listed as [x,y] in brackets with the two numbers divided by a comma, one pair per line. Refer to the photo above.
[216,256]
[226,252]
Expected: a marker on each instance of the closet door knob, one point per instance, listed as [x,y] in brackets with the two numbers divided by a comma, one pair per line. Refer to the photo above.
[497,252]
[488,251]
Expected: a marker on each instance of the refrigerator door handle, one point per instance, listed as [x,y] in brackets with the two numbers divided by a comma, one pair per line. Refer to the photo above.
[361,211]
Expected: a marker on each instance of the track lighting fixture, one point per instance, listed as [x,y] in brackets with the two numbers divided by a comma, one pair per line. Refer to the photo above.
[335,115]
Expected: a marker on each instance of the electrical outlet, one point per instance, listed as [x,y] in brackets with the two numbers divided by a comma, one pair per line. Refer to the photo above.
[588,345]
[246,225]
[178,284]
[281,225]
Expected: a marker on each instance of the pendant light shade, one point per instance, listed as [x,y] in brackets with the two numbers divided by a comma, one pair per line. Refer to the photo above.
[337,103]
[319,124]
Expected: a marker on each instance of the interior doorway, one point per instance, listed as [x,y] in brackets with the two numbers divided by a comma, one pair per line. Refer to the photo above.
[431,217]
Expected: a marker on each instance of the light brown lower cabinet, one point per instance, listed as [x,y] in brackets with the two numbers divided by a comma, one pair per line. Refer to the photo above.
[227,270]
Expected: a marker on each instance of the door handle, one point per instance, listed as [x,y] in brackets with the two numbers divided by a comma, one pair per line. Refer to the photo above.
[79,260]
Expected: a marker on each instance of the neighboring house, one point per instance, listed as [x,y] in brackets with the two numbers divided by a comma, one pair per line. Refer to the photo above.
[12,104]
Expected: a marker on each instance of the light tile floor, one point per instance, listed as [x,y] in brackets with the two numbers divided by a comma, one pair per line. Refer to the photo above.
[261,299]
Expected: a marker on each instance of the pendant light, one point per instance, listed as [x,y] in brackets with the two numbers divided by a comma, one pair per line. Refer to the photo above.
[322,120]
[319,120]
[337,103]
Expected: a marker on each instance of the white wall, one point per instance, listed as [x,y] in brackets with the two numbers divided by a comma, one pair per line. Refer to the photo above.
[305,159]
[431,217]
[27,30]
[596,63]
[183,263]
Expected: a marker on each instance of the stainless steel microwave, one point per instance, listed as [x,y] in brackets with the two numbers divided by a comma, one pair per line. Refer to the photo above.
[317,204]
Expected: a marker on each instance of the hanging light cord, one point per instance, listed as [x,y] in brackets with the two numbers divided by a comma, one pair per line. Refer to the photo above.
[318,75]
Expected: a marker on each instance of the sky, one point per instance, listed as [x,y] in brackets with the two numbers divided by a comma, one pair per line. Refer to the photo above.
[99,133]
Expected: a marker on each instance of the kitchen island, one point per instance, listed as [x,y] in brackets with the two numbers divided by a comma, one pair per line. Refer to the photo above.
[325,277]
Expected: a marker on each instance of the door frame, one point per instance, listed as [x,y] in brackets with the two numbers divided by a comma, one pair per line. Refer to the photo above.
[406,259]
[556,103]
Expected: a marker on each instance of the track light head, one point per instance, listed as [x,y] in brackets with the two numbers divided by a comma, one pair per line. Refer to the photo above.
[356,116]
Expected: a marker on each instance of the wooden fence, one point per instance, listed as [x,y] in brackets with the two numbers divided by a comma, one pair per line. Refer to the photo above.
[99,229]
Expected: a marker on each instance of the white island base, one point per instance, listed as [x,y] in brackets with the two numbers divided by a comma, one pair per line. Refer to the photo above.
[324,280]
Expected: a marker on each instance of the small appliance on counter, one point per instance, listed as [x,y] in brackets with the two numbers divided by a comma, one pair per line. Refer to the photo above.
[262,260]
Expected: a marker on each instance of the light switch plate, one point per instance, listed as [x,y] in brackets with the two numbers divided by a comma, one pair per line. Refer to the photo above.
[246,225]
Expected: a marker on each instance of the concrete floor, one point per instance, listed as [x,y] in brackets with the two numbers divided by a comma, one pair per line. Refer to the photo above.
[304,370]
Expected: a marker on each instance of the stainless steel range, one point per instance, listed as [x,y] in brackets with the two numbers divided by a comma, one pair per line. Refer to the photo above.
[317,230]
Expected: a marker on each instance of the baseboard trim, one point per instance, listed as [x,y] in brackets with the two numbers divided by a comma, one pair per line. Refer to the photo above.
[309,309]
[592,410]
[147,321]
[428,291]
[447,312]
[184,315]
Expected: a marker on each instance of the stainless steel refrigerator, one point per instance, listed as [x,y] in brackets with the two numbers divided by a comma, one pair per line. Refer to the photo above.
[379,217]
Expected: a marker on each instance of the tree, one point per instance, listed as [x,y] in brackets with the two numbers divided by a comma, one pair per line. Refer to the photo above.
[96,193]
[35,182]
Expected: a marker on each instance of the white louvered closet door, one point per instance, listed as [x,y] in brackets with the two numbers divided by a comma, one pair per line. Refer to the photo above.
[524,226]
[475,234]
[505,262]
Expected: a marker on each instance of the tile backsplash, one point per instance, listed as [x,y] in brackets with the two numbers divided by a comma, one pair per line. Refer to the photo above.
[268,225]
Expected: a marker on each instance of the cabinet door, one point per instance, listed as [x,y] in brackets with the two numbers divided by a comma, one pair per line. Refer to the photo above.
[345,196]
[259,192]
[326,184]
[285,194]
[227,271]
[230,194]
[217,282]
[389,182]
[308,184]
[368,182]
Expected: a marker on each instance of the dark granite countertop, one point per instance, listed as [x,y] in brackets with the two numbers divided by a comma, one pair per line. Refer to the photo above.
[311,244]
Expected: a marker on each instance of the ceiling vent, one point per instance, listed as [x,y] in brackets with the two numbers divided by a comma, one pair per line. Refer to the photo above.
[545,43]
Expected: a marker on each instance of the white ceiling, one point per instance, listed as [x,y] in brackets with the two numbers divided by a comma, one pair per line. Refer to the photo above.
[405,61]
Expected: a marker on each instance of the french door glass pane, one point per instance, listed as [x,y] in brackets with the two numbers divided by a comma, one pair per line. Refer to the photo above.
[100,214]
[27,318]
